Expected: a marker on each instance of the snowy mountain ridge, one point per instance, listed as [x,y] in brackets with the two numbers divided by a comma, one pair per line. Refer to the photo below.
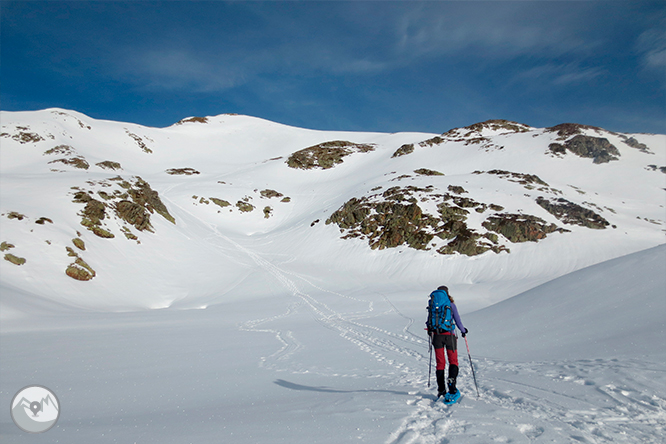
[116,216]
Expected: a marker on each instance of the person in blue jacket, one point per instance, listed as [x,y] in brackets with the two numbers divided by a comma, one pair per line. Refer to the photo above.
[445,344]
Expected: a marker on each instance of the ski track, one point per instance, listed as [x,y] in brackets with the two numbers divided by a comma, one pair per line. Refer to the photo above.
[526,402]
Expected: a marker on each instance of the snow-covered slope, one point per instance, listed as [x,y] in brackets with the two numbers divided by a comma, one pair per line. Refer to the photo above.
[611,309]
[309,334]
[306,364]
[167,215]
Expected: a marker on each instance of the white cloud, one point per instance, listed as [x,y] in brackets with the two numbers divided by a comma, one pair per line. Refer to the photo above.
[491,30]
[171,69]
[652,45]
[560,74]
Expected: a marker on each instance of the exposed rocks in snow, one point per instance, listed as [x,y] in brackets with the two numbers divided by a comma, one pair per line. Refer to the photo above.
[15,259]
[395,218]
[499,125]
[457,189]
[427,172]
[109,165]
[134,206]
[182,171]
[597,148]
[78,243]
[326,155]
[633,143]
[244,205]
[220,202]
[521,227]
[405,149]
[76,162]
[270,194]
[15,215]
[521,178]
[80,270]
[66,116]
[6,246]
[656,168]
[139,141]
[23,135]
[566,130]
[192,120]
[572,214]
[431,142]
[63,150]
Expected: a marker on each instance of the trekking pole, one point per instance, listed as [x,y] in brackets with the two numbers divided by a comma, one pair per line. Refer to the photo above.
[471,365]
[430,361]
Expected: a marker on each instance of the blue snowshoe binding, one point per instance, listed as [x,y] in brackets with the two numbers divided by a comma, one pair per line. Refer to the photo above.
[452,398]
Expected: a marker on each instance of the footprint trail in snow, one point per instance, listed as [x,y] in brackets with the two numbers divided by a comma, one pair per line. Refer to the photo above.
[586,401]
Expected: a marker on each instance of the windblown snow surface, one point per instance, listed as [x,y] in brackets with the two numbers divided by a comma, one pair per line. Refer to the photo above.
[231,327]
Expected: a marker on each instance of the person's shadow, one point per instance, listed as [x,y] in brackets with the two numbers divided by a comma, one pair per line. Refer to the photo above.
[294,386]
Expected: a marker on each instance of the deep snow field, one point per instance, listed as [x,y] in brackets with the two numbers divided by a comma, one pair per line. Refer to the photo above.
[236,328]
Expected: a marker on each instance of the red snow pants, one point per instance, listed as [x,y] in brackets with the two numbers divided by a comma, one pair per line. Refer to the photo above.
[446,345]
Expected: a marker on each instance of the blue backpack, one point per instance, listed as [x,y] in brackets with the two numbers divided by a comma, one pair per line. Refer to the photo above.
[440,317]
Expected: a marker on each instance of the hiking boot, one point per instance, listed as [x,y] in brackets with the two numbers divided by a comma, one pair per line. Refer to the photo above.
[441,382]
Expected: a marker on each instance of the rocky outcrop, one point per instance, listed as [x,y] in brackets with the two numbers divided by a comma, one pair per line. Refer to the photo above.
[192,120]
[24,135]
[220,202]
[656,168]
[395,218]
[499,125]
[79,269]
[427,172]
[76,162]
[633,143]
[244,206]
[521,178]
[63,150]
[520,227]
[566,130]
[405,149]
[139,141]
[268,194]
[326,155]
[597,148]
[15,259]
[182,171]
[78,243]
[6,246]
[572,214]
[109,165]
[134,205]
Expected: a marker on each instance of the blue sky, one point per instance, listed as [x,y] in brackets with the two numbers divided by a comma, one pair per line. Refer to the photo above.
[341,65]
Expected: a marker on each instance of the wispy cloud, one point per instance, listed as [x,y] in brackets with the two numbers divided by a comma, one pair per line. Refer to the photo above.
[560,74]
[652,45]
[491,30]
[175,69]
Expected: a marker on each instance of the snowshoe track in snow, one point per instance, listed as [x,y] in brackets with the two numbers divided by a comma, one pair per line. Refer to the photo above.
[522,402]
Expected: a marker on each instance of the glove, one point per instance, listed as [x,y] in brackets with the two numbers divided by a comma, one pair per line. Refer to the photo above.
[464,333]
